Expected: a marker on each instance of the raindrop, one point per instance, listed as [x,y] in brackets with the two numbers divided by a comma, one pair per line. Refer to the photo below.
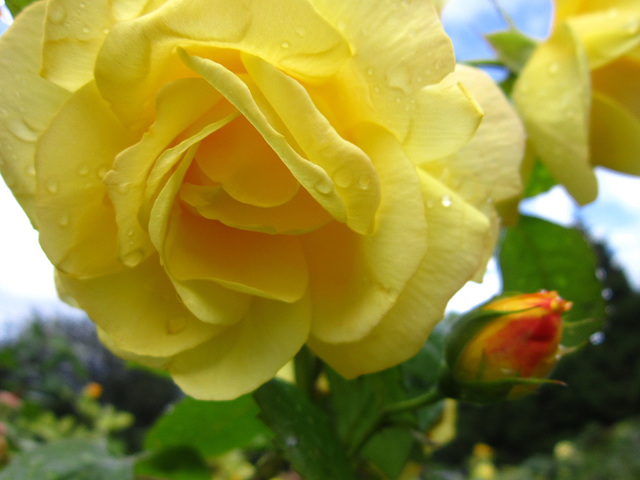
[21,130]
[285,44]
[364,181]
[301,32]
[291,441]
[601,274]
[343,177]
[607,294]
[102,171]
[132,258]
[52,186]
[63,221]
[323,186]
[57,14]
[176,325]
[31,170]
[82,5]
[370,71]
[554,68]
[597,338]
[399,78]
[445,201]
[86,30]
[83,170]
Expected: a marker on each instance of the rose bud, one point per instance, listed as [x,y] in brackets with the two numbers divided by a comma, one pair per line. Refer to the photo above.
[505,348]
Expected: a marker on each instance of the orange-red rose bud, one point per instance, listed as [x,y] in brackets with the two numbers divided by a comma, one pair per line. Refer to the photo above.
[504,349]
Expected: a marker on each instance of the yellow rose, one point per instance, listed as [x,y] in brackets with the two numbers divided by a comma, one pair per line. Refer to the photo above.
[219,182]
[579,93]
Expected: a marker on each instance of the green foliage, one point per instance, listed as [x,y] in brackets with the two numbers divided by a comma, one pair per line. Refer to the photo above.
[303,432]
[71,459]
[16,6]
[537,255]
[176,463]
[210,428]
[513,48]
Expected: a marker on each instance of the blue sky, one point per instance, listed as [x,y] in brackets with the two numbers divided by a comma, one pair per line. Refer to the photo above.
[26,277]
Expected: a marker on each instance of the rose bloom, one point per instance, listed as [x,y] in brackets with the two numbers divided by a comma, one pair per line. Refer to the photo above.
[219,182]
[579,93]
[524,342]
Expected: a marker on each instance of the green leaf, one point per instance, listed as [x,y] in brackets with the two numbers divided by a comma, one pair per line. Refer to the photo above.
[179,463]
[16,6]
[513,48]
[537,254]
[74,459]
[211,428]
[540,180]
[303,432]
[357,404]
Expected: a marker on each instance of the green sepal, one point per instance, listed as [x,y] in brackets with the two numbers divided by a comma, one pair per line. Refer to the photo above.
[512,47]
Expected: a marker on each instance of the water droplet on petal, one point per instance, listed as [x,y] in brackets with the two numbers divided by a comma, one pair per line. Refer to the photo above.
[132,258]
[343,177]
[21,130]
[176,325]
[52,186]
[56,14]
[364,181]
[285,44]
[554,68]
[31,170]
[63,221]
[370,71]
[445,201]
[301,32]
[102,171]
[83,170]
[324,187]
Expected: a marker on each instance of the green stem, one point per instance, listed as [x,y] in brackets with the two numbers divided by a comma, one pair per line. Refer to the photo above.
[307,368]
[429,398]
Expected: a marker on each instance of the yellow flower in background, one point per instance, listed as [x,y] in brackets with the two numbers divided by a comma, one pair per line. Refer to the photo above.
[579,93]
[218,182]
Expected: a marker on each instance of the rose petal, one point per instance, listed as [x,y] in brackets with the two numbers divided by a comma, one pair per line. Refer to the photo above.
[28,103]
[74,33]
[147,318]
[383,77]
[251,262]
[301,214]
[457,239]
[485,167]
[138,56]
[354,279]
[615,136]
[351,170]
[75,217]
[240,160]
[311,176]
[553,97]
[179,105]
[607,34]
[246,355]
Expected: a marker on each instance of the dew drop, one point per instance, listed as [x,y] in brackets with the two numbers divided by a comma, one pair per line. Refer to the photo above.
[82,5]
[285,44]
[21,130]
[343,177]
[57,14]
[52,186]
[301,32]
[63,221]
[102,171]
[399,78]
[132,258]
[31,170]
[323,186]
[445,201]
[364,181]
[176,325]
[597,338]
[83,170]
[607,294]
[291,441]
[86,30]
[370,71]
[554,68]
